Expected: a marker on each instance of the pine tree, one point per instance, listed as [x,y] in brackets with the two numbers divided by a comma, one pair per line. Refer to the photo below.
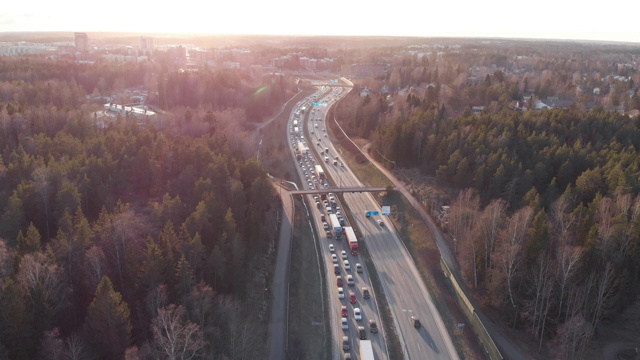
[107,324]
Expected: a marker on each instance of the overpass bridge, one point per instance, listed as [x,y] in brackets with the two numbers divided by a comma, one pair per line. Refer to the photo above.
[340,190]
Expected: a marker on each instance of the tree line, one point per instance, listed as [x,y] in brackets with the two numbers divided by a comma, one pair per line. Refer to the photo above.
[545,223]
[542,204]
[126,240]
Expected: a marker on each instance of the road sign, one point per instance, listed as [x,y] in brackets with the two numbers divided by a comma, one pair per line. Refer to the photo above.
[386,210]
[376,213]
[368,213]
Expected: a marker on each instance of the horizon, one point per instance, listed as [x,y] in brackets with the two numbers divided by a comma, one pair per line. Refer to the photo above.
[495,19]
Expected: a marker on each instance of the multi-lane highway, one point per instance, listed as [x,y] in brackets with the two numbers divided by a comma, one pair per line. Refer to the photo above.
[405,291]
[310,119]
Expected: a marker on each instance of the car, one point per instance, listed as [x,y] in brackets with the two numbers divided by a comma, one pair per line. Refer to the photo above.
[347,356]
[343,254]
[345,343]
[329,234]
[362,333]
[325,226]
[334,258]
[343,312]
[339,280]
[352,297]
[357,314]
[365,292]
[381,223]
[323,218]
[333,249]
[347,266]
[415,321]
[359,268]
[350,281]
[336,269]
[345,323]
[340,293]
[373,327]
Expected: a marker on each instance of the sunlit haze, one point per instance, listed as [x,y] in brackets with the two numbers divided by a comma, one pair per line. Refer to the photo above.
[492,18]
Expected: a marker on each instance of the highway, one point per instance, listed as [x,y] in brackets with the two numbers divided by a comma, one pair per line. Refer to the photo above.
[305,115]
[405,291]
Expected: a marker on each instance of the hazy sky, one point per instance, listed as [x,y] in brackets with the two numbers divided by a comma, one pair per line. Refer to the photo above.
[558,19]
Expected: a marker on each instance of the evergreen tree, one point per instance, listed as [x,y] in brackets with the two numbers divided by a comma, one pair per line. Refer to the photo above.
[107,323]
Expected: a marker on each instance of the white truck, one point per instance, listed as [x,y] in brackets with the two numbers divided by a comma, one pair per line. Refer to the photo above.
[366,350]
[335,224]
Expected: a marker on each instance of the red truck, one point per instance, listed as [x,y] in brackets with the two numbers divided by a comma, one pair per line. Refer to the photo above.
[351,239]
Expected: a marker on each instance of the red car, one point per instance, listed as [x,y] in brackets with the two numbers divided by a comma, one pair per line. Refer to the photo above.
[352,297]
[344,312]
[339,280]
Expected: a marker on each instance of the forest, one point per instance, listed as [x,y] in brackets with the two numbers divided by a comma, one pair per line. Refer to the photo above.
[126,240]
[543,206]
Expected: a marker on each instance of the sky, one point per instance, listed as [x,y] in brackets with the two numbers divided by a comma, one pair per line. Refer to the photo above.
[541,19]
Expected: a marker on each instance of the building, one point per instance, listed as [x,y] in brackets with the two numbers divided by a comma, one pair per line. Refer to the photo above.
[365,70]
[146,46]
[82,42]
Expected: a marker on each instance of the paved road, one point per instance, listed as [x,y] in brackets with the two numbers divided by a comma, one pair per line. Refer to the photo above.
[369,307]
[405,291]
[280,285]
[507,348]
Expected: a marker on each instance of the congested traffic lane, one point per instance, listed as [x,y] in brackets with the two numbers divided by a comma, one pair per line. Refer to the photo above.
[405,291]
[368,307]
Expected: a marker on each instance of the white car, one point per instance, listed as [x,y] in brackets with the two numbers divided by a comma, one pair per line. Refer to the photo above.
[347,266]
[344,254]
[334,258]
[357,314]
[332,248]
[350,281]
[340,293]
[345,324]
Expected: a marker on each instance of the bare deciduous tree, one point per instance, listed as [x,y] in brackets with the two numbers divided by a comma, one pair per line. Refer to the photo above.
[538,307]
[562,219]
[39,271]
[509,252]
[491,222]
[568,263]
[601,293]
[200,303]
[463,215]
[175,337]
[77,349]
[94,266]
[604,217]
